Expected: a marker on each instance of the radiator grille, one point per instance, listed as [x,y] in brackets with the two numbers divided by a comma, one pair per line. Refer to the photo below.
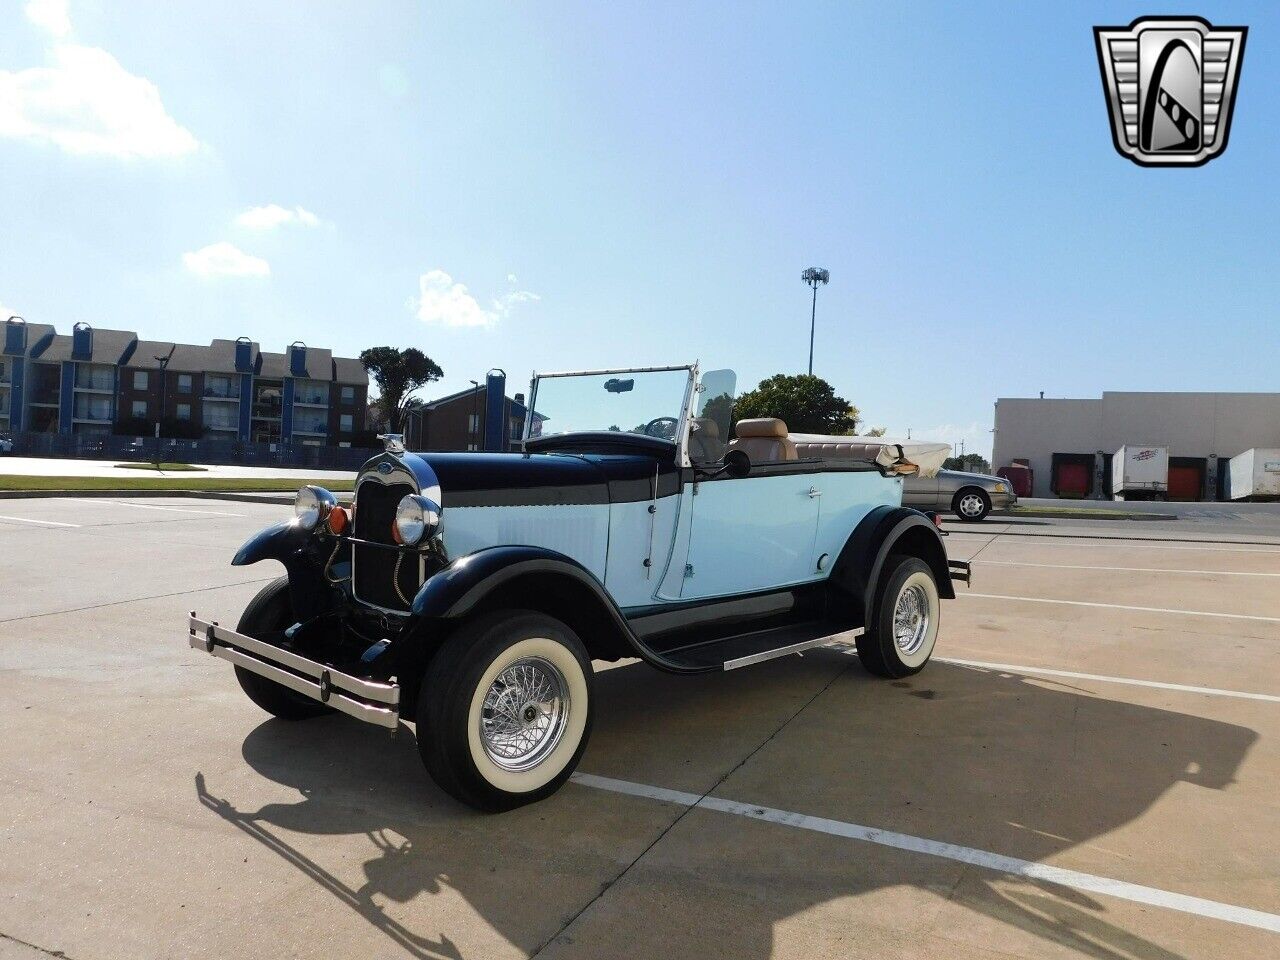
[373,566]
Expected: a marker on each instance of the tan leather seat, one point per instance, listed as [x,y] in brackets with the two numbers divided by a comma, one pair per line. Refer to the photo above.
[763,440]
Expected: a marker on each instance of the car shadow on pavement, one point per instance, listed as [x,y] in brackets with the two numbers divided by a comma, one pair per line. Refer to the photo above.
[1025,768]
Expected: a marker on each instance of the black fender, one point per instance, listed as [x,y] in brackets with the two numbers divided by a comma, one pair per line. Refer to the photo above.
[883,531]
[277,542]
[294,546]
[536,578]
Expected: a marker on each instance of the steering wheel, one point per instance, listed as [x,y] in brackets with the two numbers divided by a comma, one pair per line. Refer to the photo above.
[663,428]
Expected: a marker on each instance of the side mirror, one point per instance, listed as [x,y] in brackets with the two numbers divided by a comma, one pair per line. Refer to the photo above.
[737,464]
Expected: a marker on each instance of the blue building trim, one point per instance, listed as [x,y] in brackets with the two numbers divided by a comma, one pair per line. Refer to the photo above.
[17,378]
[286,414]
[66,396]
[246,404]
[494,409]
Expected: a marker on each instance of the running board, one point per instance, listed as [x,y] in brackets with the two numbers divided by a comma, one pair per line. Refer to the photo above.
[751,648]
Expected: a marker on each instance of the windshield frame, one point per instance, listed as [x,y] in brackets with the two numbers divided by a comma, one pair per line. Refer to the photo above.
[682,429]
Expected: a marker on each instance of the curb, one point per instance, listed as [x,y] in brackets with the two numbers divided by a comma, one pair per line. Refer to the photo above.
[1091,515]
[247,496]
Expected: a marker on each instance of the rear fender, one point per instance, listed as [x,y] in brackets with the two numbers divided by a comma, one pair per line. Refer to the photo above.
[885,531]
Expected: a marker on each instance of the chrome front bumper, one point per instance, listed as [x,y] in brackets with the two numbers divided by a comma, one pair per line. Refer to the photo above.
[367,700]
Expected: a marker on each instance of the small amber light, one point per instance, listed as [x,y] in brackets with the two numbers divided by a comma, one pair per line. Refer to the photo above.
[338,520]
[395,535]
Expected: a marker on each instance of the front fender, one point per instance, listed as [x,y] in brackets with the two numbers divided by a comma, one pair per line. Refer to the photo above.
[277,542]
[455,590]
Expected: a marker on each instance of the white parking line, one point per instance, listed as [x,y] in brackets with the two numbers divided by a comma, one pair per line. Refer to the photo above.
[1029,540]
[149,506]
[1087,566]
[52,523]
[1071,674]
[1118,606]
[949,851]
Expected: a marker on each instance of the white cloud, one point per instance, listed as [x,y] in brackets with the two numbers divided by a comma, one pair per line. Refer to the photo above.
[225,259]
[443,301]
[84,101]
[273,215]
[50,15]
[449,304]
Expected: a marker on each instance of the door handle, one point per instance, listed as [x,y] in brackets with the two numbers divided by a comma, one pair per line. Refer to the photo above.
[814,492]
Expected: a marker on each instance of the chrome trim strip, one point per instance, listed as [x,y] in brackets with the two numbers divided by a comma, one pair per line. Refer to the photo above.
[787,651]
[362,699]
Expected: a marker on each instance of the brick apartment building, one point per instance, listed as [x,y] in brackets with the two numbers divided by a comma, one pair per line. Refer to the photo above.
[461,420]
[99,382]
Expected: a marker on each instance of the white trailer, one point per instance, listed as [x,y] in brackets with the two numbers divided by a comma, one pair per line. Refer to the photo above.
[1255,474]
[1140,472]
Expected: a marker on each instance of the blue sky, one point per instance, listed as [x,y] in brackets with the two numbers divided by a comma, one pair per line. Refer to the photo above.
[581,185]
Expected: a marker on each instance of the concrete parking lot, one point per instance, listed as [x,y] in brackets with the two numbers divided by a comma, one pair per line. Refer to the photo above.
[1087,769]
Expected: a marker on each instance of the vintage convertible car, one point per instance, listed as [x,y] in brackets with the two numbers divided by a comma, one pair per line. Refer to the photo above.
[470,592]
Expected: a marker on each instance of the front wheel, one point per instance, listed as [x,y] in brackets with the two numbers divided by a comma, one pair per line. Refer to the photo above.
[904,620]
[971,505]
[505,710]
[266,618]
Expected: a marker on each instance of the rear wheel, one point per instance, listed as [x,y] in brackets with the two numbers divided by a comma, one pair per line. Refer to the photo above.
[904,620]
[506,710]
[266,618]
[971,504]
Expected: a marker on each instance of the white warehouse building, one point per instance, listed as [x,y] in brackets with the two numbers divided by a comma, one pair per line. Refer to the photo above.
[1068,444]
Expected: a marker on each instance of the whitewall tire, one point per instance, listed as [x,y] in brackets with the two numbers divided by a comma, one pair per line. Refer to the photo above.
[505,710]
[903,627]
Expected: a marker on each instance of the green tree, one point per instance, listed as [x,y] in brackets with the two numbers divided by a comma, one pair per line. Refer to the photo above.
[970,463]
[398,373]
[807,404]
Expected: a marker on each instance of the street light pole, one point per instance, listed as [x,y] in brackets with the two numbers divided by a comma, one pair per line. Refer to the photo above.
[814,277]
[164,392]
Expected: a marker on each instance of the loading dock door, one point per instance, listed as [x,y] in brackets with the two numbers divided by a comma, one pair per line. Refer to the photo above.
[1071,478]
[1186,478]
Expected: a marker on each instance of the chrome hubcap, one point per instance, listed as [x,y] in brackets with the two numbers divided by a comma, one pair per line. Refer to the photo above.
[524,713]
[911,619]
[971,505]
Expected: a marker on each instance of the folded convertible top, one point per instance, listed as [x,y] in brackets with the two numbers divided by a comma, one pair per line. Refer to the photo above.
[889,452]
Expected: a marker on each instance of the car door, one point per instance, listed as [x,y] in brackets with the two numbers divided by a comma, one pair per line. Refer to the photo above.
[752,533]
[921,492]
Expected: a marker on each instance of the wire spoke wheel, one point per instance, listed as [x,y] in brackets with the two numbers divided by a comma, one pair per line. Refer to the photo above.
[524,713]
[911,619]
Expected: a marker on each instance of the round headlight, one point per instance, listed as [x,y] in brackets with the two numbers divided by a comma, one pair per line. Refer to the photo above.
[312,506]
[417,519]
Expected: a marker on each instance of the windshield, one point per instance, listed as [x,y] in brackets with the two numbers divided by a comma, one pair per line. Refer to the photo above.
[625,401]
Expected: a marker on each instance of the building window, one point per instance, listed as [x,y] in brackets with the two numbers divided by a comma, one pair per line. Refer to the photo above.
[184,411]
[220,387]
[345,423]
[139,406]
[348,394]
[95,376]
[473,446]
[473,423]
[139,380]
[313,392]
[184,383]
[517,429]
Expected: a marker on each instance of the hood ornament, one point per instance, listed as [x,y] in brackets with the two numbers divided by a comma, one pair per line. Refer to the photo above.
[392,442]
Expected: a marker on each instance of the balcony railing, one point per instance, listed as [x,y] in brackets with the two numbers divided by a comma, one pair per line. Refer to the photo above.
[216,393]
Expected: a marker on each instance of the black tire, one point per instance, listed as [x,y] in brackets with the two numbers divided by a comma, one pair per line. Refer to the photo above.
[878,649]
[971,504]
[461,678]
[270,612]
